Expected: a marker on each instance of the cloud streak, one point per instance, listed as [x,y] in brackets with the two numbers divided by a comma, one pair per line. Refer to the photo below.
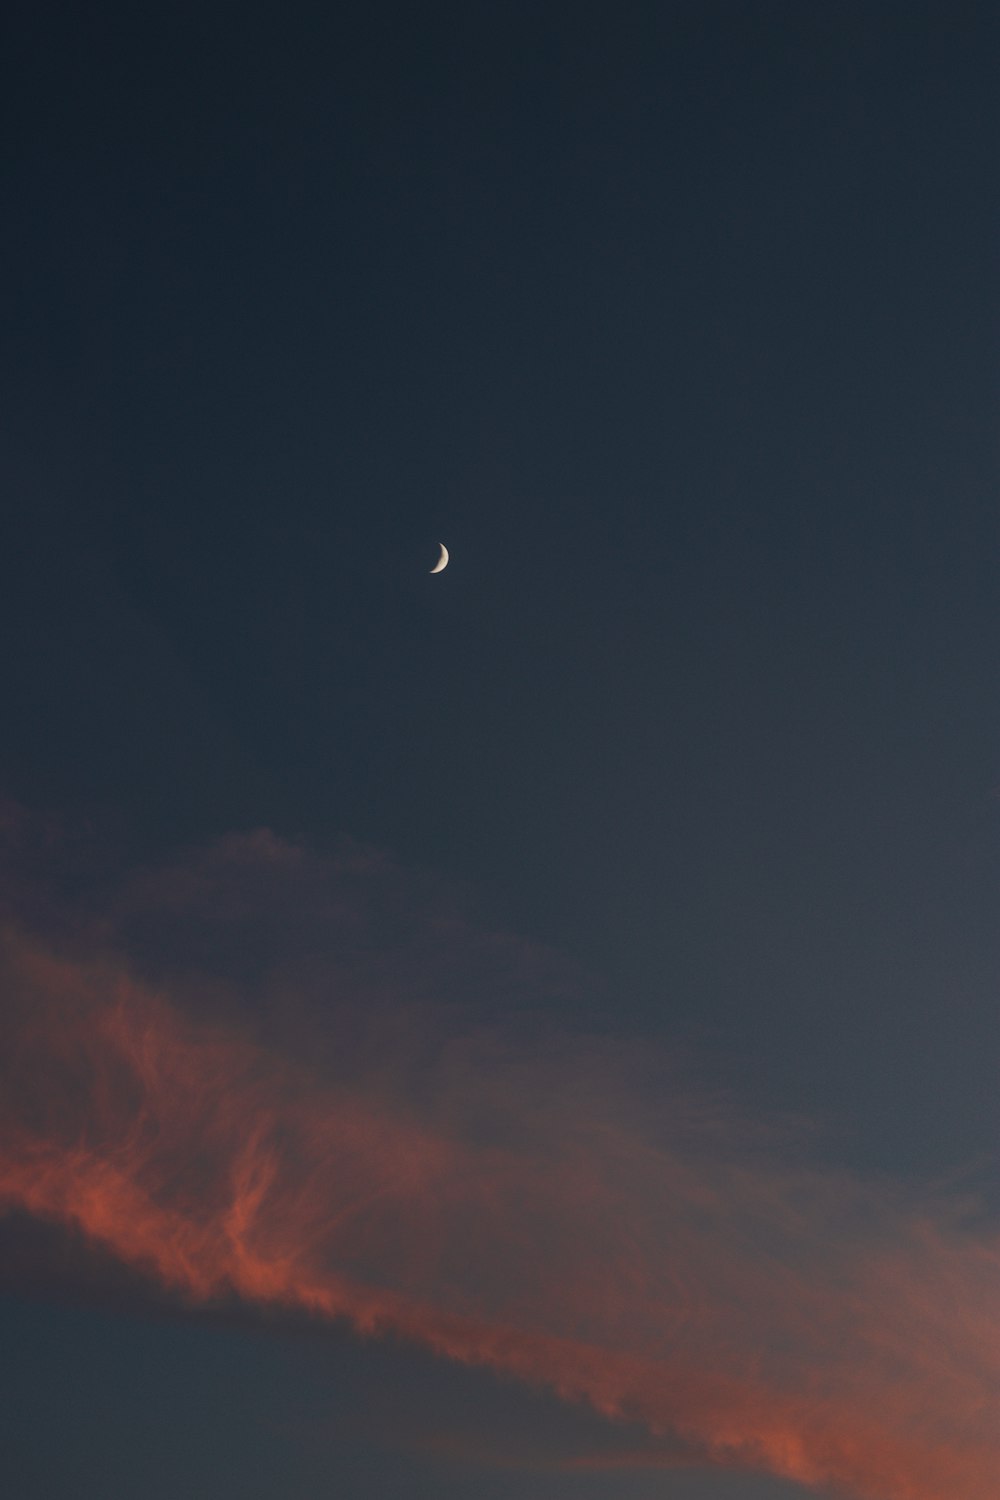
[551,1211]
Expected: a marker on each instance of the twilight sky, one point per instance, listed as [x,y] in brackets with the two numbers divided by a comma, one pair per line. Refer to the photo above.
[531,1031]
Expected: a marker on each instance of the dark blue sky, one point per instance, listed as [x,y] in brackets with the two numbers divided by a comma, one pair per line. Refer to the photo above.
[677,324]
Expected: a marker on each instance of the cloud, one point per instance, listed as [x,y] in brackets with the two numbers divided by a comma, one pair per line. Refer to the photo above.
[261,1076]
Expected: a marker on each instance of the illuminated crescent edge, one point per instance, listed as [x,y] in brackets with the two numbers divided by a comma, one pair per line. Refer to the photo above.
[442,561]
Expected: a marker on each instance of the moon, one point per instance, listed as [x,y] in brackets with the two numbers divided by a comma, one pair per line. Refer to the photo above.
[442,561]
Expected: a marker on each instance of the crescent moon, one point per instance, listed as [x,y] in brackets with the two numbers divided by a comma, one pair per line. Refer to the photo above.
[442,561]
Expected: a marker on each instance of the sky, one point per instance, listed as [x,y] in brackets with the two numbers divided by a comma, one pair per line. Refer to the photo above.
[527,1031]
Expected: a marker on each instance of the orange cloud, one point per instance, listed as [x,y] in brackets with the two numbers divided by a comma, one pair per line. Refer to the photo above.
[650,1259]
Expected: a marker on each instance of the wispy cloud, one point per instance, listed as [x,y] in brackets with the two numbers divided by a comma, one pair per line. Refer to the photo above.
[249,1076]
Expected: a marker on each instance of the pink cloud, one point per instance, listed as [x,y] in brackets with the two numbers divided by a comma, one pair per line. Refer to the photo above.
[552,1212]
